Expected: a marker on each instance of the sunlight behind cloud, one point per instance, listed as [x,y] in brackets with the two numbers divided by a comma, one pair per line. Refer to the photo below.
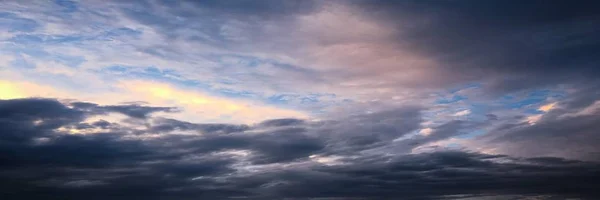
[195,104]
[547,107]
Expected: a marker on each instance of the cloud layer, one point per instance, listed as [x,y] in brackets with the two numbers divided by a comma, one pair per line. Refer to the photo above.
[306,99]
[271,160]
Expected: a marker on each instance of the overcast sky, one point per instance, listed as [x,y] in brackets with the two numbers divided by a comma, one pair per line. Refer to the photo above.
[300,99]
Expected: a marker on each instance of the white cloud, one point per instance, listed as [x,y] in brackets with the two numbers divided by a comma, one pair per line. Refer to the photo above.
[462,113]
[426,131]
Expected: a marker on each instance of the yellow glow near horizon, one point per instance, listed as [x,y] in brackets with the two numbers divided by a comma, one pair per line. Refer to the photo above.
[15,90]
[195,106]
[9,91]
[195,103]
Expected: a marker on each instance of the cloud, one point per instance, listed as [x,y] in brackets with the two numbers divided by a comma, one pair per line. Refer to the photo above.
[426,131]
[195,104]
[548,134]
[462,113]
[262,161]
[282,122]
[547,107]
[299,99]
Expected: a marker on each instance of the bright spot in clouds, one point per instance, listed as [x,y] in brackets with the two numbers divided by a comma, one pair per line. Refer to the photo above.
[426,131]
[462,113]
[547,107]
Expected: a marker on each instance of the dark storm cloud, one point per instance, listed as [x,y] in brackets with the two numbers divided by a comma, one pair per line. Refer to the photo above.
[38,161]
[431,176]
[22,119]
[46,163]
[510,45]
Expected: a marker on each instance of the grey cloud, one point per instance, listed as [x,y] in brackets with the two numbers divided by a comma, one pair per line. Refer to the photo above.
[137,111]
[560,132]
[441,132]
[491,117]
[267,8]
[282,122]
[574,137]
[166,125]
[132,110]
[371,130]
[112,165]
[22,119]
[275,146]
[433,176]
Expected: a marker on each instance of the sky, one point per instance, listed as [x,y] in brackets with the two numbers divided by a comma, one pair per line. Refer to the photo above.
[300,99]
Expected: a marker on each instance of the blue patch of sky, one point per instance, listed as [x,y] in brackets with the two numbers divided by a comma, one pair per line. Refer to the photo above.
[302,99]
[227,61]
[530,101]
[237,94]
[42,39]
[67,5]
[15,23]
[478,111]
[39,39]
[453,145]
[471,134]
[119,32]
[20,63]
[451,99]
[18,50]
[151,73]
[464,86]
[280,98]
[39,54]
[316,104]
[315,98]
[71,61]
[450,96]
[26,39]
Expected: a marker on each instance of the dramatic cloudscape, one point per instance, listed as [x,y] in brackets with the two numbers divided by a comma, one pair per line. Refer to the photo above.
[300,99]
